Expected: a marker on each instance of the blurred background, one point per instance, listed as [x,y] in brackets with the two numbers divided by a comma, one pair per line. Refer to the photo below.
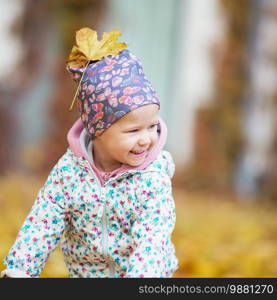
[213,64]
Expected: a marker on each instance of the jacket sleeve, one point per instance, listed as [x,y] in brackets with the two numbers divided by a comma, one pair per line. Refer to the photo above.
[40,232]
[154,253]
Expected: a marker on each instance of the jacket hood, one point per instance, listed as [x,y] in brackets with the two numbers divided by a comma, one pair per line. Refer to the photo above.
[78,142]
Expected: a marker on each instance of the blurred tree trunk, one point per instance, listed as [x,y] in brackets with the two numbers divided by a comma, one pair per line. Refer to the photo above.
[218,139]
[7,132]
[222,140]
[47,31]
[30,27]
[70,16]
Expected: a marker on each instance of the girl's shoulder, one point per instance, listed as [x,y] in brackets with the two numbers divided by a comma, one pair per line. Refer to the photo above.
[156,177]
[164,163]
[66,163]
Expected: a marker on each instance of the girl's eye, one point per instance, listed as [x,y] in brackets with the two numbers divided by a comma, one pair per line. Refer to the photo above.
[136,130]
[153,126]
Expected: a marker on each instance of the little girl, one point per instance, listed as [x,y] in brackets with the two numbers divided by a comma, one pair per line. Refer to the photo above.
[109,197]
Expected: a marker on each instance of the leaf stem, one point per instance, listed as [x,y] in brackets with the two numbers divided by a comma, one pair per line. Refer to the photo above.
[73,101]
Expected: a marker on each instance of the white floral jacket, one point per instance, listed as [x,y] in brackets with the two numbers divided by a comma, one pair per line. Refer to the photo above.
[120,227]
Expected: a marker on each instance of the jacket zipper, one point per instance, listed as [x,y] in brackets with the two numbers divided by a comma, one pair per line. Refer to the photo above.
[105,233]
[104,227]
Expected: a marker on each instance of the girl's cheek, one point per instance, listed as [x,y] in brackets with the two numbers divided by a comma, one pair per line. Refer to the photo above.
[155,138]
[127,141]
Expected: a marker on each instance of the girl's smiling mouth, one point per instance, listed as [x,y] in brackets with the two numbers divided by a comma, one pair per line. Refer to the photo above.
[138,154]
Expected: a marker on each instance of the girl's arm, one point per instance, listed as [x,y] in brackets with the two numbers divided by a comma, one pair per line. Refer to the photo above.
[40,232]
[154,254]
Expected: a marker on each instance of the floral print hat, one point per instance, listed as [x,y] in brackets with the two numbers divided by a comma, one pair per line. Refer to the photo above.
[109,88]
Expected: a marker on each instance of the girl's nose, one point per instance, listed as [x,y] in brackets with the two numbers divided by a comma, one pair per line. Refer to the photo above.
[144,140]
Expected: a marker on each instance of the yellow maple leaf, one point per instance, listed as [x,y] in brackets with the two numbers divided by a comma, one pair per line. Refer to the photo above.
[90,49]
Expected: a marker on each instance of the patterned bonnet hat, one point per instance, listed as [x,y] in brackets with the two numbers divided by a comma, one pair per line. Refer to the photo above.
[110,88]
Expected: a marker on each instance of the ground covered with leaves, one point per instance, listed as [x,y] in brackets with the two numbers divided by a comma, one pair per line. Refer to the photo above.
[215,236]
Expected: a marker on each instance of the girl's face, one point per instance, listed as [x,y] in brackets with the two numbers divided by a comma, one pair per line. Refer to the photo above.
[128,140]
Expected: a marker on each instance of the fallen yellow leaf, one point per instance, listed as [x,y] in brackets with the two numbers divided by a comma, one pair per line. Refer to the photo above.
[90,49]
